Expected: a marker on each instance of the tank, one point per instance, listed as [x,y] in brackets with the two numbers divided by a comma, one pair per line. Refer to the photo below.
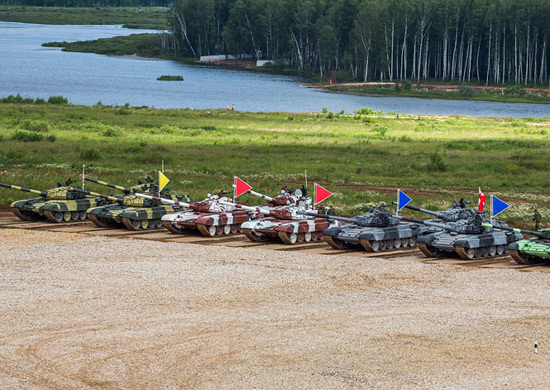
[282,220]
[131,211]
[57,204]
[376,230]
[210,216]
[468,238]
[529,251]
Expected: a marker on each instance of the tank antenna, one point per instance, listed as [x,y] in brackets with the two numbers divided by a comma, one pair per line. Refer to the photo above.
[83,175]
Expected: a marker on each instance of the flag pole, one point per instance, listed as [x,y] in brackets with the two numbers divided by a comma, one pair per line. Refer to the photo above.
[83,175]
[234,188]
[491,209]
[397,212]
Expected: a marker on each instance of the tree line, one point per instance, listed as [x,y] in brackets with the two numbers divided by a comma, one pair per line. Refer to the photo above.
[90,3]
[465,41]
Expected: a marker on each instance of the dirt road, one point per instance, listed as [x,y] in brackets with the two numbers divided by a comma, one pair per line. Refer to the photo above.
[83,312]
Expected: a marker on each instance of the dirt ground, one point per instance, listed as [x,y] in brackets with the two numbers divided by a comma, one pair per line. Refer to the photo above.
[82,312]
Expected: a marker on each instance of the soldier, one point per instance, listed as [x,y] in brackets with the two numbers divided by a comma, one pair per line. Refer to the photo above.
[462,203]
[331,211]
[304,191]
[285,190]
[537,218]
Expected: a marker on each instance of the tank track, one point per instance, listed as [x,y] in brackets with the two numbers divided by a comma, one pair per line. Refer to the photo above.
[523,260]
[251,236]
[204,230]
[285,238]
[463,255]
[22,216]
[387,245]
[51,217]
[96,221]
[335,243]
[424,249]
[168,225]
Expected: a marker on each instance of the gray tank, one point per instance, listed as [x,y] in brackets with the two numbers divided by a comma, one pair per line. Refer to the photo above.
[468,238]
[376,230]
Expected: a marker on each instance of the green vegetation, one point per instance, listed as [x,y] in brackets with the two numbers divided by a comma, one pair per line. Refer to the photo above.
[465,93]
[146,18]
[170,78]
[362,157]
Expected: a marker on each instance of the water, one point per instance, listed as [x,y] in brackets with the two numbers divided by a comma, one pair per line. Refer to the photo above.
[34,71]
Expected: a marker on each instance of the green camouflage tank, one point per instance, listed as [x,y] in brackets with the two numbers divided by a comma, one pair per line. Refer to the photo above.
[58,204]
[133,212]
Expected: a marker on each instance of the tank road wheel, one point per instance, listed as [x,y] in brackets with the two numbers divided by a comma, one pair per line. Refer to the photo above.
[289,239]
[67,216]
[234,229]
[383,245]
[58,216]
[251,235]
[492,250]
[226,229]
[412,241]
[370,246]
[429,251]
[74,215]
[209,231]
[307,237]
[500,249]
[334,242]
[465,254]
[485,251]
[397,243]
[82,215]
[219,230]
[144,223]
[301,238]
[405,242]
[389,245]
[134,224]
[158,223]
[315,236]
[479,252]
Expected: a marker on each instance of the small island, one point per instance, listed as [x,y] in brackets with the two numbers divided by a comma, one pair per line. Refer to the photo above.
[170,78]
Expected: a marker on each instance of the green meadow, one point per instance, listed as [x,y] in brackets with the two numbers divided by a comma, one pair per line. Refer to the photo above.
[363,157]
[130,17]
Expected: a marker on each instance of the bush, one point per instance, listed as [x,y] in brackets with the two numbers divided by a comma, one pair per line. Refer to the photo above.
[90,154]
[466,91]
[365,111]
[59,100]
[124,110]
[35,125]
[111,132]
[437,163]
[27,136]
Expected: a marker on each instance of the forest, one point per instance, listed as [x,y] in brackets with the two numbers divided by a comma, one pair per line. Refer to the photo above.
[90,3]
[484,42]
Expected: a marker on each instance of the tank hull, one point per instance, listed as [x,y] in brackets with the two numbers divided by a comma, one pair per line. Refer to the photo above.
[532,251]
[133,218]
[54,210]
[288,231]
[374,239]
[208,224]
[467,246]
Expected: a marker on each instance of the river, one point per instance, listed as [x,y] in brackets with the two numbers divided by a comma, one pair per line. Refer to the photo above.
[34,71]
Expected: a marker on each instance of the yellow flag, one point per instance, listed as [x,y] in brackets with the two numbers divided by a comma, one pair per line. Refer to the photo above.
[163,180]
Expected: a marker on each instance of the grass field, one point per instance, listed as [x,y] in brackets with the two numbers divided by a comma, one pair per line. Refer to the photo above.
[362,158]
[146,17]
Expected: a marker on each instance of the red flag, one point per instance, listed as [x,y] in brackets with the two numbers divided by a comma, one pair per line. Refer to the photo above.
[481,202]
[320,193]
[241,187]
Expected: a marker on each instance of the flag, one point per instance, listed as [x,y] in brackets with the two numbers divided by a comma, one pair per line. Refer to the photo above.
[320,193]
[498,206]
[163,180]
[481,202]
[241,187]
[402,200]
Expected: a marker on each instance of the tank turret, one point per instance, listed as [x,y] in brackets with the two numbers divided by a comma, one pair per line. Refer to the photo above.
[374,218]
[465,226]
[127,200]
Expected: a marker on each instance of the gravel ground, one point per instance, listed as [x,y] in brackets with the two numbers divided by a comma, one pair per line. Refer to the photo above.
[83,312]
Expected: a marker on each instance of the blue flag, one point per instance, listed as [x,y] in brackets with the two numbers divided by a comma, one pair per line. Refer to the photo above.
[402,200]
[498,205]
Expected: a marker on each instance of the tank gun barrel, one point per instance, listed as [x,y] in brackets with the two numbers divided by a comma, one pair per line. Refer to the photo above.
[262,210]
[428,223]
[266,197]
[111,198]
[540,234]
[434,213]
[326,216]
[10,186]
[120,188]
[165,201]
